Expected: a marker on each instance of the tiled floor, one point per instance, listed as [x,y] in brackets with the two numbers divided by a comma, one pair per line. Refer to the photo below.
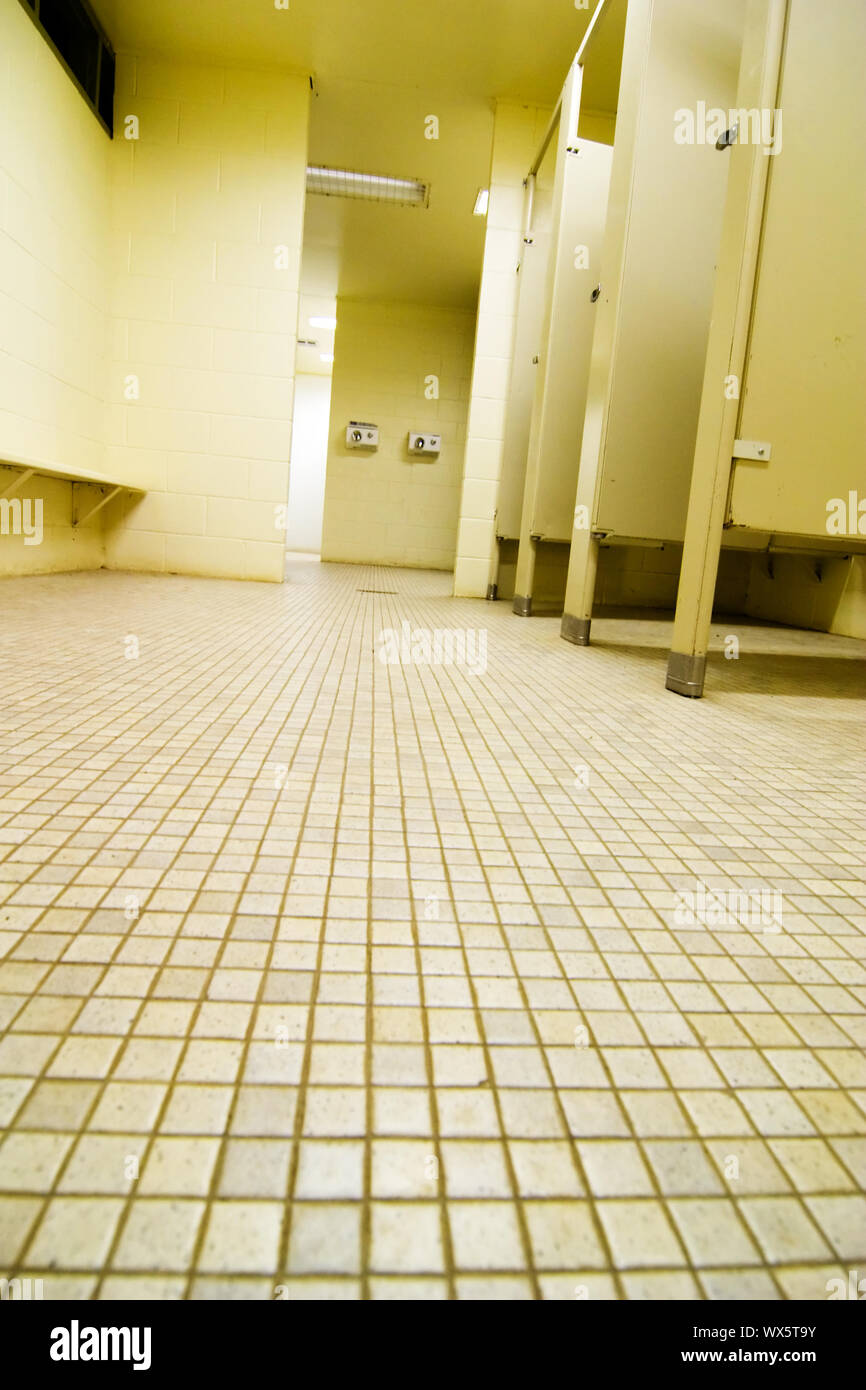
[376,975]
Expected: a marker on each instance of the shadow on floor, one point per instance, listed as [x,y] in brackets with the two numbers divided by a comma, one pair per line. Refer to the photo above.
[766,673]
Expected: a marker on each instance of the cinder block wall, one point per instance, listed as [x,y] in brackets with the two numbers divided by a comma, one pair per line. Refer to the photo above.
[388,507]
[148,305]
[207,226]
[54,199]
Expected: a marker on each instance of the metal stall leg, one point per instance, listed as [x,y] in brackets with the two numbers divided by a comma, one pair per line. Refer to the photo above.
[580,590]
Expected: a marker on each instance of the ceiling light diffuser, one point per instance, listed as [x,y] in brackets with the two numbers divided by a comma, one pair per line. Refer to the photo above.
[376,188]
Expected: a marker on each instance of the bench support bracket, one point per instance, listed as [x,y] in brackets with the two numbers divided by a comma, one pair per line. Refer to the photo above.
[18,482]
[77,518]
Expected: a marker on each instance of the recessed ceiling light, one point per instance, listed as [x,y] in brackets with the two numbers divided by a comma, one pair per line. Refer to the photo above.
[318,321]
[326,356]
[482,202]
[376,188]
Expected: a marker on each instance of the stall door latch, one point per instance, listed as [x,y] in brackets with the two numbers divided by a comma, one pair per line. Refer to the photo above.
[757,449]
[728,137]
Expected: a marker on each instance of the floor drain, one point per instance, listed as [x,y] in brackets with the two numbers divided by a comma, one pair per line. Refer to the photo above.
[378,591]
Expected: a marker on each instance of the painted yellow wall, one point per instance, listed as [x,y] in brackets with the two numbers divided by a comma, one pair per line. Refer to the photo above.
[787,589]
[629,576]
[54,193]
[204,314]
[388,507]
[849,617]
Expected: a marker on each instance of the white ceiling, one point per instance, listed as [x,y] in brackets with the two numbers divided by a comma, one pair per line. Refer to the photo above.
[472,48]
[381,67]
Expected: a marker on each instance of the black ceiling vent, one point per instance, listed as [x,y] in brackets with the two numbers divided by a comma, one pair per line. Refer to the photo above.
[79,41]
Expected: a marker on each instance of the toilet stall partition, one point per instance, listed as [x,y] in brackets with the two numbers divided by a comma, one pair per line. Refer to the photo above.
[571,230]
[781,460]
[532,278]
[668,182]
[804,380]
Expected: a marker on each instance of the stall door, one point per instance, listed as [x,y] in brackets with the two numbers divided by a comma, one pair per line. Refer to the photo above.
[668,200]
[803,395]
[566,352]
[524,365]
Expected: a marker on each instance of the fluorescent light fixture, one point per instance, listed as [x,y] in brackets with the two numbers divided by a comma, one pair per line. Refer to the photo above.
[482,202]
[321,321]
[376,188]
[326,357]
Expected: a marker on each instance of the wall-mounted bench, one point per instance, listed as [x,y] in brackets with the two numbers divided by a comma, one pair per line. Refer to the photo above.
[79,478]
